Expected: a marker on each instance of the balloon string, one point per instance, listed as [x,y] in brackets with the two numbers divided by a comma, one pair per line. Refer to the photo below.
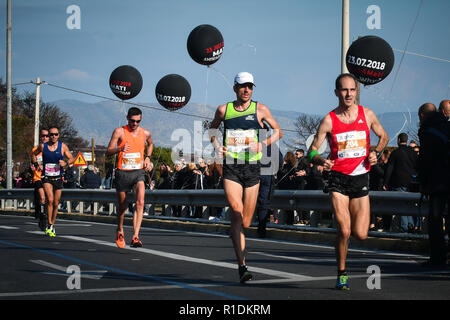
[207,83]
[224,77]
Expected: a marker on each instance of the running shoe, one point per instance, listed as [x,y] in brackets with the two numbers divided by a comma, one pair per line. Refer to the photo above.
[50,231]
[342,283]
[136,243]
[244,274]
[120,242]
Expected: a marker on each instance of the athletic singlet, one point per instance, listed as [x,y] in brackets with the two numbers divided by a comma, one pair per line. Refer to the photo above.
[349,144]
[37,173]
[133,159]
[241,128]
[50,160]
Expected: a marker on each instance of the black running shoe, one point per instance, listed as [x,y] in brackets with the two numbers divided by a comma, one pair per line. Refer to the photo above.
[244,275]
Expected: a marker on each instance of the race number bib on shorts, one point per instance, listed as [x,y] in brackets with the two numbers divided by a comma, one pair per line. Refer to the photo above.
[52,170]
[351,144]
[239,140]
[131,161]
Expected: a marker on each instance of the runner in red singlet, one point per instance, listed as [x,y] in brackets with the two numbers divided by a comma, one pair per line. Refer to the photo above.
[347,128]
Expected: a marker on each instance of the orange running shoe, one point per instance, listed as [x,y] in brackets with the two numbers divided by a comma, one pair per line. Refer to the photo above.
[120,240]
[136,243]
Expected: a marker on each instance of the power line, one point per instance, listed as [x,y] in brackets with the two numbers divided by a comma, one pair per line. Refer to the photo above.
[131,103]
[406,45]
[421,55]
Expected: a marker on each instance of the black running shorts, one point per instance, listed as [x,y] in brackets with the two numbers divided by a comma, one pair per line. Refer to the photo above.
[351,186]
[247,175]
[57,182]
[126,179]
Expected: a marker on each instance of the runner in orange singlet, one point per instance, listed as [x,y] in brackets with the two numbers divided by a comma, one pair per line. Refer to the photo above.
[348,130]
[130,143]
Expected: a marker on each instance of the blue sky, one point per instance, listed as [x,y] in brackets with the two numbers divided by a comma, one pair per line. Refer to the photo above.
[293,48]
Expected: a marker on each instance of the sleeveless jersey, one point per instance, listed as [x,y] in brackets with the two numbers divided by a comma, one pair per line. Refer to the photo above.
[349,144]
[133,159]
[50,160]
[37,173]
[241,128]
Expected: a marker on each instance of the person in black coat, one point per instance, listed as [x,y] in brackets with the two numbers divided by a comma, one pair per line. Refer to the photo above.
[90,179]
[399,174]
[286,181]
[434,175]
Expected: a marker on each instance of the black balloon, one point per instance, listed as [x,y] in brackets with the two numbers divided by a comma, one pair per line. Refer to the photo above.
[125,82]
[205,44]
[370,59]
[173,92]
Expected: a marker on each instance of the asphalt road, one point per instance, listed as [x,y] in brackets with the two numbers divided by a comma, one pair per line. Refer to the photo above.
[83,262]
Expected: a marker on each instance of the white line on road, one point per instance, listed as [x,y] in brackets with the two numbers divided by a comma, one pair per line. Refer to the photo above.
[93,274]
[322,260]
[175,256]
[8,227]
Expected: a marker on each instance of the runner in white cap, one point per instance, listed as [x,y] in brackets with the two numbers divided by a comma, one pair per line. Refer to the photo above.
[242,150]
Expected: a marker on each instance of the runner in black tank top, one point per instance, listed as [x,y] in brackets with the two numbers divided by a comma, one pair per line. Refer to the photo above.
[242,151]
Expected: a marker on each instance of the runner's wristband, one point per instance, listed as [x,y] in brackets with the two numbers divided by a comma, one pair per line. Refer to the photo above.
[312,154]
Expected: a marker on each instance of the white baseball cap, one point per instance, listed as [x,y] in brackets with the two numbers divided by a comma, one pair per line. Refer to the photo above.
[244,77]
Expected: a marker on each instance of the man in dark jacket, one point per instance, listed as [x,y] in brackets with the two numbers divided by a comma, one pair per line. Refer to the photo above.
[90,179]
[400,170]
[434,175]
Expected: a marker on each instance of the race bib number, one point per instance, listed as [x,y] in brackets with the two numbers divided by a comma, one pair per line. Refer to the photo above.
[52,170]
[39,159]
[239,140]
[131,161]
[351,144]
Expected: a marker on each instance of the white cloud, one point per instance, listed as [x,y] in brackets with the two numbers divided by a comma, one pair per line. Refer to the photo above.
[76,75]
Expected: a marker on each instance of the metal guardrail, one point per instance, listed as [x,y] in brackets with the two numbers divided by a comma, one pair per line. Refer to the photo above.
[382,202]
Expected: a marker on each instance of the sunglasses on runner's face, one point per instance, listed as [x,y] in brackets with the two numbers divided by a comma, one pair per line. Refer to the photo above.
[135,121]
[44,135]
[246,85]
[53,134]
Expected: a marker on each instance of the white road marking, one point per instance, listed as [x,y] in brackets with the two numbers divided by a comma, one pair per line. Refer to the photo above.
[93,274]
[8,227]
[270,272]
[333,260]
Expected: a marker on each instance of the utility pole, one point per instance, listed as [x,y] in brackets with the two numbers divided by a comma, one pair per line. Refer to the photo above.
[345,33]
[8,99]
[36,112]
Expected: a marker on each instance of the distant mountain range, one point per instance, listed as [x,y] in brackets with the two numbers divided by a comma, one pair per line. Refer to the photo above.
[98,120]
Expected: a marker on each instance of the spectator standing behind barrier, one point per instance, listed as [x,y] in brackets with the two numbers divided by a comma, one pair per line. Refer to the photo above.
[271,162]
[400,169]
[90,179]
[165,177]
[70,182]
[177,183]
[286,181]
[434,176]
[302,170]
[376,183]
